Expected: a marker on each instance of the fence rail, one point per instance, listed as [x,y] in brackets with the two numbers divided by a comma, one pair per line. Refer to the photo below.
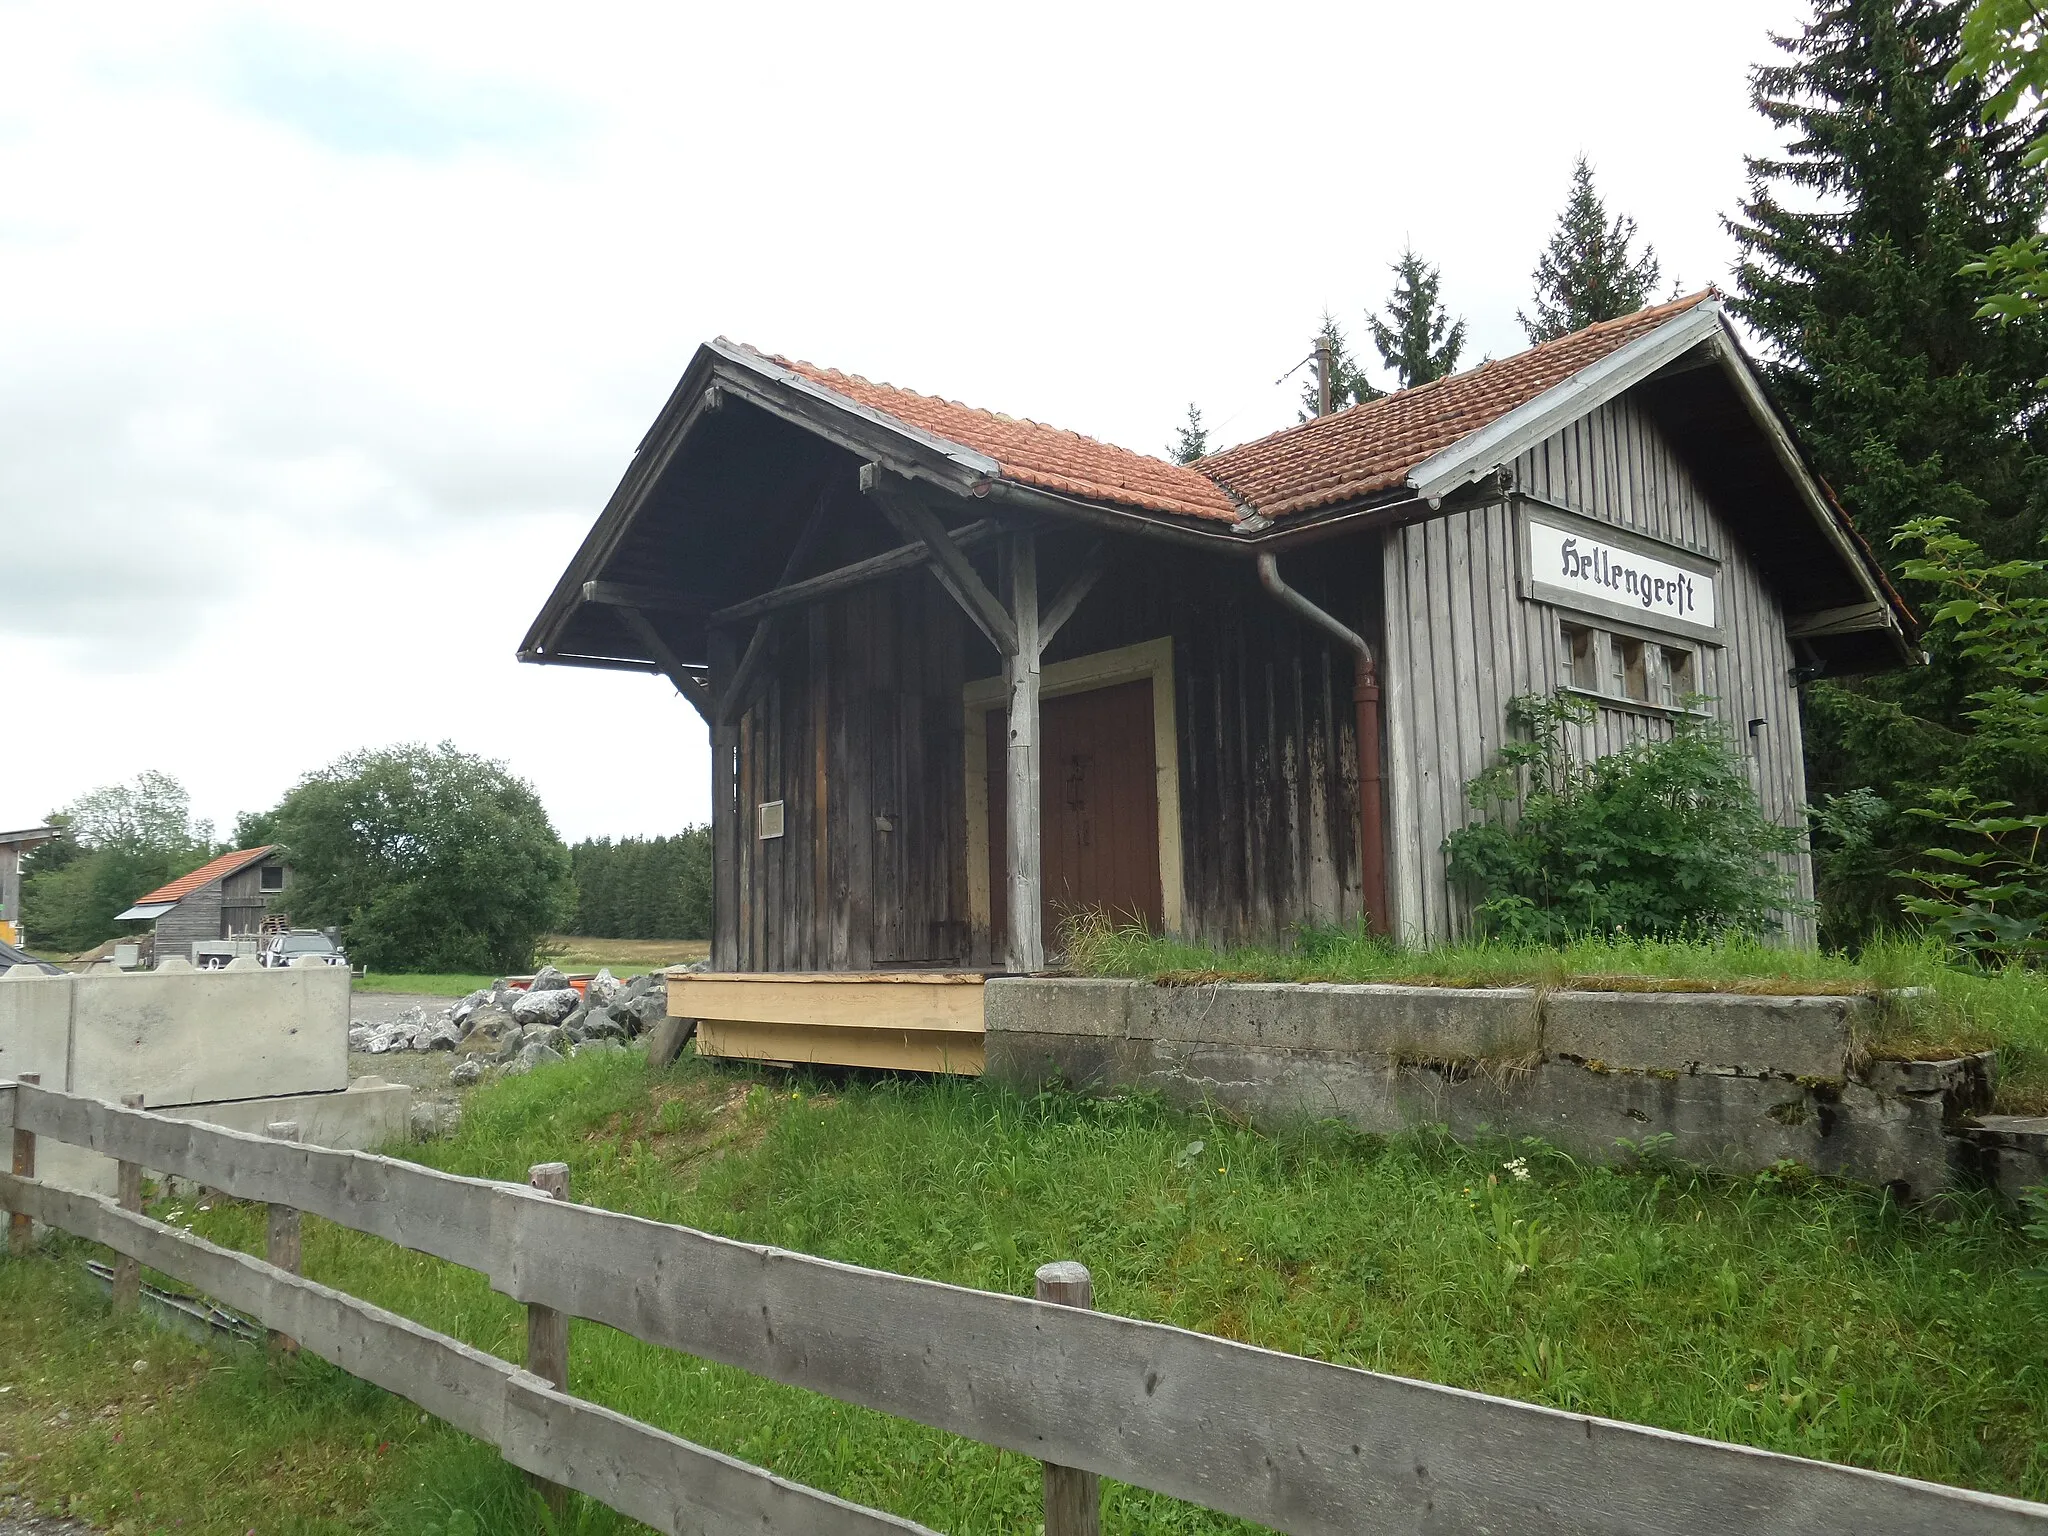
[1302,1446]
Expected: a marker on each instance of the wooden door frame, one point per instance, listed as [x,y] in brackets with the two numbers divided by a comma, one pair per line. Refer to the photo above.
[1148,660]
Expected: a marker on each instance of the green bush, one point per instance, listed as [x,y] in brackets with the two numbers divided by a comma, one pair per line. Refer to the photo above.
[1984,886]
[428,859]
[1663,839]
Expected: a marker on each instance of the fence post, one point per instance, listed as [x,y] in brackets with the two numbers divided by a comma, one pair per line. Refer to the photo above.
[282,1246]
[20,1229]
[128,1195]
[547,1332]
[1073,1498]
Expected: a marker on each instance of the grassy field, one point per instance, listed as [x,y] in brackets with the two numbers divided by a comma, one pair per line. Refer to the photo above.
[625,957]
[1779,1311]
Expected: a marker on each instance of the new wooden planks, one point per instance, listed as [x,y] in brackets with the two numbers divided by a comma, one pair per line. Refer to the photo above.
[873,1000]
[656,1478]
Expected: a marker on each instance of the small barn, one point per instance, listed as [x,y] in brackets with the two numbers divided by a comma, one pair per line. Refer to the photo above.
[964,672]
[226,898]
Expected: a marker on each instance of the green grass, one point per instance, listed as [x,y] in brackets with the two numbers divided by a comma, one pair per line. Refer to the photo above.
[1780,1311]
[1959,1010]
[429,983]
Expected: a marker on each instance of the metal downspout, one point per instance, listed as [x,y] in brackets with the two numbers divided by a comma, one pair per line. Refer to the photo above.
[1365,697]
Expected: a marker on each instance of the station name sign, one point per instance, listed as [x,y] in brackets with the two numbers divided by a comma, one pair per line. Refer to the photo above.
[1568,564]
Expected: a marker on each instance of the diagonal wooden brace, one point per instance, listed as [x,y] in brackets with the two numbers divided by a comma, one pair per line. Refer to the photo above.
[956,573]
[688,684]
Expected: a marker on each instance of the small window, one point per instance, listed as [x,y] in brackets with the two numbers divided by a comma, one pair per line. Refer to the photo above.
[1578,654]
[1631,669]
[1678,682]
[272,877]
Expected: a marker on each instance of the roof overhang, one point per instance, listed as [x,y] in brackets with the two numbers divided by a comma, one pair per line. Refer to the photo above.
[29,837]
[1879,615]
[144,911]
[570,631]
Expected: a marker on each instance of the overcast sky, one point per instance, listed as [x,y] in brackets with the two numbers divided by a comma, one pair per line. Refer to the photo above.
[326,331]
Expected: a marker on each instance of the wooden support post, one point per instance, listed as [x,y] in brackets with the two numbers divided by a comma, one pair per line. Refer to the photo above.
[547,1333]
[20,1229]
[281,1238]
[1073,1499]
[128,1195]
[725,815]
[1026,950]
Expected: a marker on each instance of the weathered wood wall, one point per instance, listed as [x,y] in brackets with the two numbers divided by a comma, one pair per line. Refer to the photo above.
[858,734]
[1461,641]
[195,920]
[1268,762]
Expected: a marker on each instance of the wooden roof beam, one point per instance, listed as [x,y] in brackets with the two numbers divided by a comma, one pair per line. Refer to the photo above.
[692,687]
[956,573]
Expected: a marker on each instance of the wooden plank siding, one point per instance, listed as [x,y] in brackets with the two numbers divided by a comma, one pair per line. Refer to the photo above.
[1461,641]
[864,716]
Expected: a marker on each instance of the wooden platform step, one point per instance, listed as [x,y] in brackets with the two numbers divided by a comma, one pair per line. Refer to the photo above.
[919,1021]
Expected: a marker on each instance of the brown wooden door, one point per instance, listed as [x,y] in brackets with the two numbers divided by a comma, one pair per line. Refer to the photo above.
[1098,804]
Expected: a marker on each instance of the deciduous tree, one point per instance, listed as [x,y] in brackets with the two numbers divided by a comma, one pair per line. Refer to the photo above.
[427,859]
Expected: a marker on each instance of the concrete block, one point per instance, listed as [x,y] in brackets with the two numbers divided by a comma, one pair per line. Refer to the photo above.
[35,1025]
[1059,1006]
[2011,1152]
[1792,1036]
[1406,1023]
[368,1115]
[1966,1084]
[199,1037]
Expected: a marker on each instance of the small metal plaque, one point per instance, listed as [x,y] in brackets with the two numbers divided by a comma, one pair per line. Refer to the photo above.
[769,819]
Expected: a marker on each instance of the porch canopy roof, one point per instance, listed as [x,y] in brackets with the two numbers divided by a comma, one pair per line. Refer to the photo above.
[753,468]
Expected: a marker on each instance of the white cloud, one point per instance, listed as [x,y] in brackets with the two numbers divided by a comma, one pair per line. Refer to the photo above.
[324,333]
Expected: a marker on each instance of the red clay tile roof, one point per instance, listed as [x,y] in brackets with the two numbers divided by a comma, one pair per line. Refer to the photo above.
[205,874]
[1336,458]
[1372,447]
[1032,453]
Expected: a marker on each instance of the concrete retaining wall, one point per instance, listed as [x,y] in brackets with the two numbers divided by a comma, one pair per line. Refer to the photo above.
[178,1037]
[239,1048]
[1735,1082]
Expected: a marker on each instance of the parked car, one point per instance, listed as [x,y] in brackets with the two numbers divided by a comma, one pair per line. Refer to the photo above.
[284,948]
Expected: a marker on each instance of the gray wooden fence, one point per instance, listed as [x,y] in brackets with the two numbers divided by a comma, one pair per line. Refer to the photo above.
[1298,1445]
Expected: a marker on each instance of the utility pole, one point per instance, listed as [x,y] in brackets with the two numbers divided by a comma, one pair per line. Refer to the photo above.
[1322,375]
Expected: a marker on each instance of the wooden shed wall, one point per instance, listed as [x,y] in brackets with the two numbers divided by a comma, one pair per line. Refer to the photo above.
[1461,641]
[865,718]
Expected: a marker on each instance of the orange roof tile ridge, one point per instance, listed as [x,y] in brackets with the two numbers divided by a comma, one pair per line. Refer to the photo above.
[801,365]
[1418,391]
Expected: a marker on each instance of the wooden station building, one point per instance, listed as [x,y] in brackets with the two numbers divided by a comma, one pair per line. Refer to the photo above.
[965,672]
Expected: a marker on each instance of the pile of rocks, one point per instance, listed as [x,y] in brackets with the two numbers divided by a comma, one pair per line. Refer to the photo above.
[508,1030]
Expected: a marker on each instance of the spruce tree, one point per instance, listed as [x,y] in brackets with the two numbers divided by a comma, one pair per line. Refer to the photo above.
[1852,241]
[1192,439]
[1589,273]
[1418,340]
[1348,384]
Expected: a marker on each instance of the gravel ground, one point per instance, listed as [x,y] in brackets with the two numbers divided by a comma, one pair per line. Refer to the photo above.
[18,1518]
[425,1072]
